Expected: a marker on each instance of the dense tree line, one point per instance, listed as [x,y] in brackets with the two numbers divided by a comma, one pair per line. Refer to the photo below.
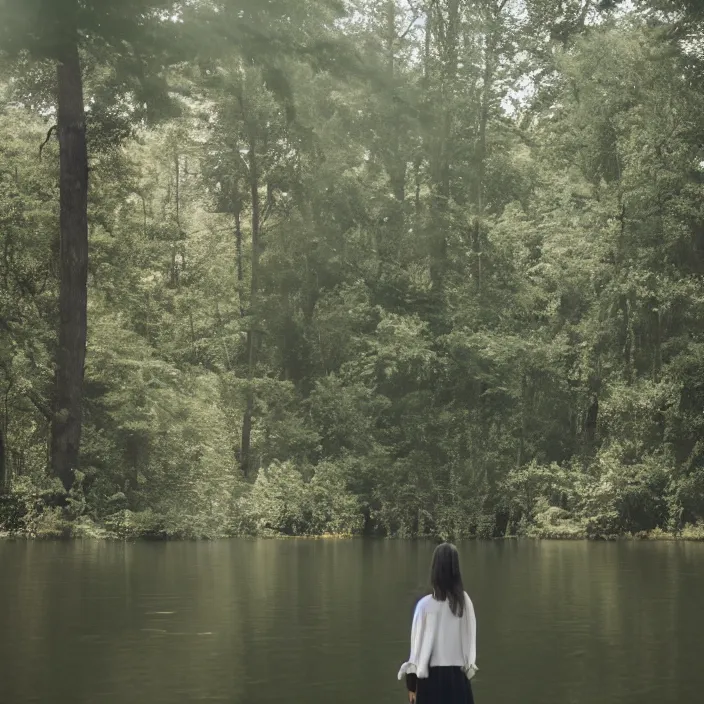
[399,267]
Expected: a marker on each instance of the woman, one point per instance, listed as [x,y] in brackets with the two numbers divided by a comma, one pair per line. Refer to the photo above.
[443,637]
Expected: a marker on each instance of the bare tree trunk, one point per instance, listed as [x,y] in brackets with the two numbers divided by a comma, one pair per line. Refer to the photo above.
[252,336]
[445,29]
[451,61]
[520,458]
[492,30]
[240,263]
[397,165]
[71,352]
[591,422]
[3,465]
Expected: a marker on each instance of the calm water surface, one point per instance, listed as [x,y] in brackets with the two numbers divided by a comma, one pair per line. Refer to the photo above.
[302,622]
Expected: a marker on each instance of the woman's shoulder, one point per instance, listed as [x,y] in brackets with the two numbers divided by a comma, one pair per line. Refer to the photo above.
[424,603]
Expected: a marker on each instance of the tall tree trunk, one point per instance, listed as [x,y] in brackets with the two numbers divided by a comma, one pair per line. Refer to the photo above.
[450,65]
[252,335]
[491,33]
[657,362]
[71,352]
[445,28]
[240,262]
[3,465]
[520,457]
[397,164]
[591,421]
[175,280]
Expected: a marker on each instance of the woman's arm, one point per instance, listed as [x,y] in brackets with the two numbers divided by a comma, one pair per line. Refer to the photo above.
[421,646]
[469,640]
[416,636]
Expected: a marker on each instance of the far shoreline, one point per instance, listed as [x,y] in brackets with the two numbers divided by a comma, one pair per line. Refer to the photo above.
[655,536]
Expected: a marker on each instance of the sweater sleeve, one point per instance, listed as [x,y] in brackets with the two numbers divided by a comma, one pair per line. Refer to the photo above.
[469,634]
[422,634]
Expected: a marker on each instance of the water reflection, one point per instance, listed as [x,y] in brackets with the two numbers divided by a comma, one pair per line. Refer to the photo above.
[315,622]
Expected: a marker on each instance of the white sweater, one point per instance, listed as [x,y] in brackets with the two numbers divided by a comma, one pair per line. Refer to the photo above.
[439,638]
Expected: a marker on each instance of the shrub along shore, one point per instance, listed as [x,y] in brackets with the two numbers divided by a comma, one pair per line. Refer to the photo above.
[268,509]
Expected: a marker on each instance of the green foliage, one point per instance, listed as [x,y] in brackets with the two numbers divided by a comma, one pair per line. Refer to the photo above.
[445,274]
[536,489]
[335,510]
[38,509]
[283,502]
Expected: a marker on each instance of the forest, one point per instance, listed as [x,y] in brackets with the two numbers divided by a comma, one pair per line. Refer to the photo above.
[352,267]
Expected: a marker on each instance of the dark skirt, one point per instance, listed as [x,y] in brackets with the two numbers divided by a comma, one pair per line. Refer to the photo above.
[444,685]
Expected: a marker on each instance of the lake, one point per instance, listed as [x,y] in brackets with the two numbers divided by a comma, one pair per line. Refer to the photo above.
[327,622]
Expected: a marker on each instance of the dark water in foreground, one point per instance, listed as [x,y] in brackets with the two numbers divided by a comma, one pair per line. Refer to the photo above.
[327,622]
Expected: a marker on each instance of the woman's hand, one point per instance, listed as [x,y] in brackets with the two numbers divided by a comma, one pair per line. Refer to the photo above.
[412,697]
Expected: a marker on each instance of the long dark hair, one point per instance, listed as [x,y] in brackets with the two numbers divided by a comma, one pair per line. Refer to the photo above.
[446,578]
